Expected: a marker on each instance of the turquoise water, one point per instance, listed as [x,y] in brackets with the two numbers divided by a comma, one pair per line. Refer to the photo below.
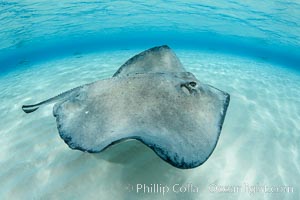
[37,29]
[249,49]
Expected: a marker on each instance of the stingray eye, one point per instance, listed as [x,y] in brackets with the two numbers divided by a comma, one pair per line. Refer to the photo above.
[189,87]
[185,89]
[193,83]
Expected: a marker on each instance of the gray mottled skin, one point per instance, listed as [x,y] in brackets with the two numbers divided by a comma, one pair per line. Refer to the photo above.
[173,113]
[156,59]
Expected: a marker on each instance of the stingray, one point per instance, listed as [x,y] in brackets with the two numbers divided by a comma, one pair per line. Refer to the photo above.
[151,98]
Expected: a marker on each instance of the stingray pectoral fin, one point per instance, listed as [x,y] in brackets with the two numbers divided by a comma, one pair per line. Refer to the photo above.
[60,97]
[180,125]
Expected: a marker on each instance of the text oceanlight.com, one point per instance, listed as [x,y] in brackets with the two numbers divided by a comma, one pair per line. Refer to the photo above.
[212,188]
[250,189]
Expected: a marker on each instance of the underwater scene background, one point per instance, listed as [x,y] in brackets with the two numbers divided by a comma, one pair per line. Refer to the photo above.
[250,49]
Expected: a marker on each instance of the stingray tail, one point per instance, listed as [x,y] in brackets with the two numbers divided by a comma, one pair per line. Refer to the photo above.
[60,97]
[30,108]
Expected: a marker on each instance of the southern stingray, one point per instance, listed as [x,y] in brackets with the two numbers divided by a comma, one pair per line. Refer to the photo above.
[151,98]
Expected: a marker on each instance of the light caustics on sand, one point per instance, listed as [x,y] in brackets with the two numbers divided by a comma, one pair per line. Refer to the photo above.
[261,147]
[151,98]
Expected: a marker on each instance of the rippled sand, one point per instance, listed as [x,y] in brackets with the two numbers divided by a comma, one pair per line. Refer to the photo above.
[259,144]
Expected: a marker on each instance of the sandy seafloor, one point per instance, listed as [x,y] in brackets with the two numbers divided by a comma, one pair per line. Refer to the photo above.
[259,144]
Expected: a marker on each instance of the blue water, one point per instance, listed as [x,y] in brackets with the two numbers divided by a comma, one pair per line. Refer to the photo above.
[34,30]
[250,49]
